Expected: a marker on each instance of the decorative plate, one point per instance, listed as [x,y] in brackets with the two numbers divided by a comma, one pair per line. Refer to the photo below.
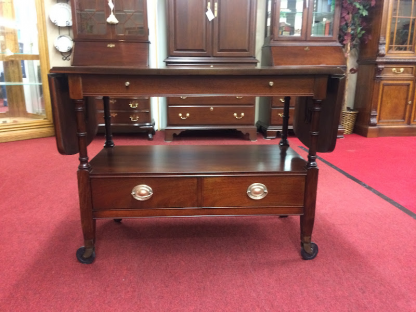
[61,15]
[63,43]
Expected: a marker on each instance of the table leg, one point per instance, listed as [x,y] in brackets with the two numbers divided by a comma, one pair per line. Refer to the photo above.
[85,254]
[107,120]
[309,249]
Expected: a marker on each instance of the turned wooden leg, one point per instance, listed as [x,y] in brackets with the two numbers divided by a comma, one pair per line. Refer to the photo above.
[309,249]
[85,254]
[284,141]
[107,119]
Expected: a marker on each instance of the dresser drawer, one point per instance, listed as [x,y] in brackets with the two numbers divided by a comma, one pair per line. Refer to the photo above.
[210,115]
[276,117]
[279,101]
[126,117]
[211,100]
[115,193]
[283,191]
[397,71]
[138,103]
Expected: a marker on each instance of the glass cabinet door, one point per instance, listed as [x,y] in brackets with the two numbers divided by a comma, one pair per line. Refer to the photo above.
[322,18]
[131,16]
[402,25]
[90,18]
[290,21]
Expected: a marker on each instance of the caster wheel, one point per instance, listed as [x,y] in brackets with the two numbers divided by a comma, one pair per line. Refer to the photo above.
[311,256]
[118,220]
[81,259]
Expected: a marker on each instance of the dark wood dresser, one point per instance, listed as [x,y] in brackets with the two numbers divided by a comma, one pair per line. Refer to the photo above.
[148,181]
[195,41]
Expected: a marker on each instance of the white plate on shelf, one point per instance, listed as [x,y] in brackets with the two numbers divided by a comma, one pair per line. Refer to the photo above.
[64,43]
[61,15]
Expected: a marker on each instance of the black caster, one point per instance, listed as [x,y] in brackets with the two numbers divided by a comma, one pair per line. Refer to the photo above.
[118,220]
[307,256]
[80,253]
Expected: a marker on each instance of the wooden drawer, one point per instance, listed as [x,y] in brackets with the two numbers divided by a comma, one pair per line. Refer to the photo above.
[279,101]
[210,115]
[115,193]
[134,103]
[282,190]
[132,118]
[212,100]
[276,118]
[397,71]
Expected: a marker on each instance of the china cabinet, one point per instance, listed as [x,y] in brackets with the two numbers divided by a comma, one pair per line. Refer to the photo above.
[112,34]
[224,39]
[25,109]
[298,33]
[385,93]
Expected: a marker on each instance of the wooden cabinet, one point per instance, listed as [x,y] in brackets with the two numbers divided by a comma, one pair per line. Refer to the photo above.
[131,114]
[385,94]
[195,41]
[298,32]
[99,42]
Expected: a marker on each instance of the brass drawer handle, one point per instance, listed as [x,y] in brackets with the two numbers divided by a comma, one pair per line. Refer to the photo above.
[113,114]
[183,97]
[112,101]
[111,45]
[186,116]
[238,97]
[235,115]
[134,118]
[211,109]
[133,105]
[271,83]
[282,100]
[398,71]
[281,115]
[142,192]
[257,191]
[127,83]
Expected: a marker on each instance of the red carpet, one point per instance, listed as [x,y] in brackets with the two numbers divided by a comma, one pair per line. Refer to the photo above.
[366,260]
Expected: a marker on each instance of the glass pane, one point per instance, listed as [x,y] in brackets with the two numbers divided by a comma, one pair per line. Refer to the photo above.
[91,17]
[21,95]
[268,18]
[323,18]
[402,26]
[291,16]
[130,17]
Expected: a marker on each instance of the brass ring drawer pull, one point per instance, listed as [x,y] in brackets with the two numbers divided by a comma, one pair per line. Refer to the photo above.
[134,118]
[398,71]
[257,191]
[133,105]
[186,116]
[235,115]
[142,192]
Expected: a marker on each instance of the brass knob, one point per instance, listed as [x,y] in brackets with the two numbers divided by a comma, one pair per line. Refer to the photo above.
[257,191]
[236,116]
[133,105]
[211,109]
[142,192]
[127,83]
[134,118]
[186,116]
[410,103]
[398,71]
[271,83]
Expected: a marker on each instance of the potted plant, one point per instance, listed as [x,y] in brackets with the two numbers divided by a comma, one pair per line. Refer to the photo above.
[351,33]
